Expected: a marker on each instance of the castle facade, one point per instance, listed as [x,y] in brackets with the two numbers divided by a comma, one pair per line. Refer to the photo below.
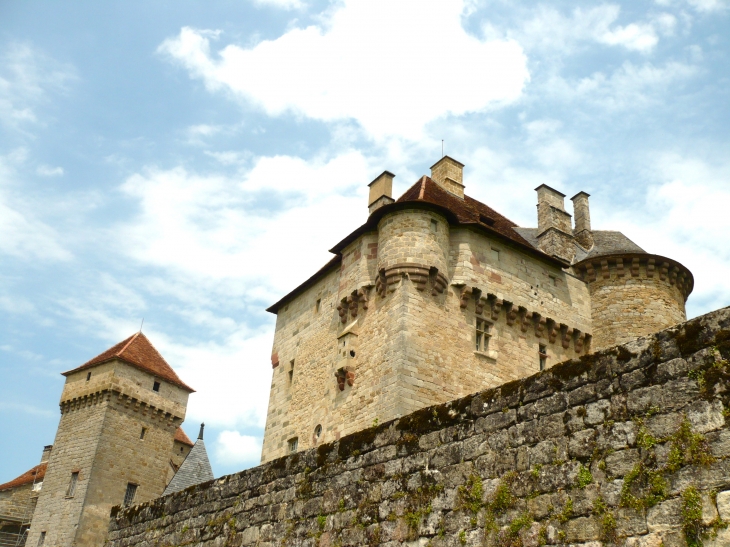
[438,296]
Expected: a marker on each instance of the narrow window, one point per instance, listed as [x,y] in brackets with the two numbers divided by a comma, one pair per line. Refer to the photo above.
[130,493]
[434,226]
[88,377]
[292,444]
[317,432]
[72,485]
[42,539]
[482,335]
[181,450]
[156,386]
[291,371]
[317,305]
[495,255]
[553,280]
[542,352]
[141,435]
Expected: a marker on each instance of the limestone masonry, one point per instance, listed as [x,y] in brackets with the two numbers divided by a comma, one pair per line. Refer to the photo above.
[437,296]
[626,446]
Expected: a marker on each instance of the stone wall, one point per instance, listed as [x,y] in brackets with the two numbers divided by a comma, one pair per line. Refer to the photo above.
[628,446]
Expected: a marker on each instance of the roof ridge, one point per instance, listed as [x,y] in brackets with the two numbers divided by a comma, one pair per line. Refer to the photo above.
[131,339]
[423,187]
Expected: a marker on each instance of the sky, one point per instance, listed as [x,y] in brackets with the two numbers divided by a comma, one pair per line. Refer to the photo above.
[190,163]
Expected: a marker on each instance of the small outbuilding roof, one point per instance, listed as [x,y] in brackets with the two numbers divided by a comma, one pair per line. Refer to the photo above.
[34,474]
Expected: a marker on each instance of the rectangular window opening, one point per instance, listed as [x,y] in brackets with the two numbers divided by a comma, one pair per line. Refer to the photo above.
[72,484]
[141,435]
[291,371]
[482,335]
[41,539]
[542,352]
[88,376]
[434,225]
[156,386]
[317,305]
[553,280]
[292,444]
[495,255]
[130,493]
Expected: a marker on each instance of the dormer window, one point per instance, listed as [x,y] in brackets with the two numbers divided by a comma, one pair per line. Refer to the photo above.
[156,386]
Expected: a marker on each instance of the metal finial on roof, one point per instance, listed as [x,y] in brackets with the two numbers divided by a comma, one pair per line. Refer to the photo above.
[141,325]
[200,435]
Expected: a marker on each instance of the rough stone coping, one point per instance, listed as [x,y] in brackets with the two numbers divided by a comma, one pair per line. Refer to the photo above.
[546,392]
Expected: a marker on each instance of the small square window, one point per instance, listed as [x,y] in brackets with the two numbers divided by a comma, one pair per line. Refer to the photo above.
[482,335]
[553,280]
[542,353]
[130,493]
[156,386]
[495,255]
[71,491]
[292,444]
[434,226]
[88,376]
[41,539]
[142,434]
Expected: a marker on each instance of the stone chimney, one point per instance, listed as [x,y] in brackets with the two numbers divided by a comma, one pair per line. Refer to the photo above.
[449,174]
[381,191]
[582,231]
[554,226]
[46,453]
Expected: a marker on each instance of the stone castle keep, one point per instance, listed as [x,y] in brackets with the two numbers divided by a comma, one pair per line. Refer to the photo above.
[119,441]
[438,296]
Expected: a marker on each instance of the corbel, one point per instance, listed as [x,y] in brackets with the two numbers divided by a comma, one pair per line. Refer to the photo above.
[591,272]
[511,313]
[539,324]
[578,338]
[478,301]
[465,294]
[525,318]
[552,330]
[362,294]
[663,271]
[496,305]
[604,269]
[620,267]
[635,267]
[566,335]
[650,267]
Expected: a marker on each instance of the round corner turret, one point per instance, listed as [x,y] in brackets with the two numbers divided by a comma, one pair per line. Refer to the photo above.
[634,294]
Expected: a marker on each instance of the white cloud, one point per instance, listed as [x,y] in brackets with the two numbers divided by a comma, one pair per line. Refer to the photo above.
[281,4]
[702,6]
[22,234]
[26,77]
[46,171]
[391,66]
[233,448]
[229,157]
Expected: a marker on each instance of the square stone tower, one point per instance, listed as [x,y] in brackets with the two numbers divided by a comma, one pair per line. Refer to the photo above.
[119,416]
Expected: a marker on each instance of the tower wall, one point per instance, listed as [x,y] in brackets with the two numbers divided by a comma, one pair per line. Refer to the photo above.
[100,437]
[634,295]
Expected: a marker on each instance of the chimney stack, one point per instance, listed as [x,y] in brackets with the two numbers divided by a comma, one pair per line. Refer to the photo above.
[554,224]
[46,453]
[449,174]
[381,191]
[582,231]
[200,435]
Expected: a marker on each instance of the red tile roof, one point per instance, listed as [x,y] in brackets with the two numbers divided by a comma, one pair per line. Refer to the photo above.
[138,352]
[466,212]
[181,437]
[35,474]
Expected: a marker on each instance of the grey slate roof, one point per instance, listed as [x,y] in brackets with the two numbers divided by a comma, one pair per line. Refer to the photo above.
[605,242]
[194,470]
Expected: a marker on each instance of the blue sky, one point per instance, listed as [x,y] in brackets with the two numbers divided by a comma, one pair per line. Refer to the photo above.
[192,162]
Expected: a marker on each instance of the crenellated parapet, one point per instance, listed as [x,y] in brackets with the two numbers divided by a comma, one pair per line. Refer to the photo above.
[490,307]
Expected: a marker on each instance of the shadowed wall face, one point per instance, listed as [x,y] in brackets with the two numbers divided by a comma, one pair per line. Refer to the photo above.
[628,443]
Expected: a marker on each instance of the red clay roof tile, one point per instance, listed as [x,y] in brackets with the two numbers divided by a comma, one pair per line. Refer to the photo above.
[34,474]
[181,437]
[138,352]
